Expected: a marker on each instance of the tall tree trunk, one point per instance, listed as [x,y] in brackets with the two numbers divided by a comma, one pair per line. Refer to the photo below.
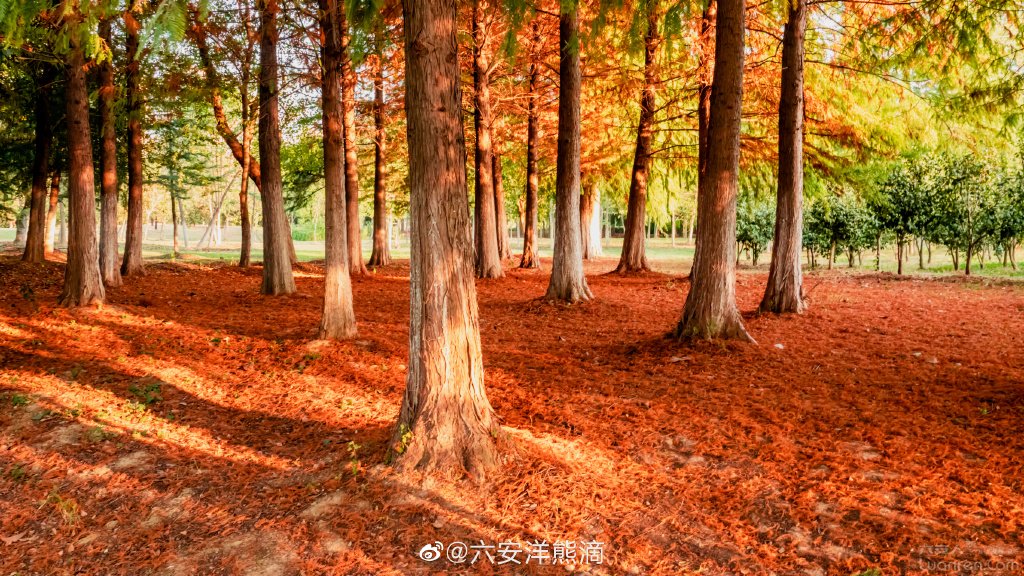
[23,221]
[348,99]
[500,215]
[488,260]
[339,319]
[531,257]
[110,270]
[634,258]
[245,256]
[51,213]
[381,253]
[590,221]
[784,292]
[174,227]
[277,263]
[446,421]
[35,241]
[132,264]
[82,283]
[710,310]
[920,254]
[705,72]
[568,283]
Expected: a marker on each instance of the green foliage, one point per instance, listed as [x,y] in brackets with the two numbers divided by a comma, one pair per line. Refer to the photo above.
[755,225]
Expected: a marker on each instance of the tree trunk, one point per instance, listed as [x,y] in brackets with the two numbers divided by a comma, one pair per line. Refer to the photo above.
[277,263]
[967,259]
[184,222]
[568,283]
[705,72]
[35,240]
[710,310]
[339,319]
[245,256]
[348,102]
[784,292]
[110,270]
[174,227]
[590,221]
[899,257]
[634,258]
[831,254]
[488,260]
[920,254]
[500,215]
[51,213]
[530,257]
[132,263]
[23,222]
[446,421]
[82,283]
[238,149]
[381,253]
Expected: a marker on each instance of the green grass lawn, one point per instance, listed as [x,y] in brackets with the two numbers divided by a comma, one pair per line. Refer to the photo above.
[661,253]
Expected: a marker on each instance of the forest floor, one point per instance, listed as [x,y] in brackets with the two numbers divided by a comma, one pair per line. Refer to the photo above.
[191,426]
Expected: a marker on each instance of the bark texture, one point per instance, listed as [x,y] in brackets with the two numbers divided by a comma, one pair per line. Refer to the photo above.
[446,421]
[634,257]
[568,283]
[381,253]
[132,264]
[339,319]
[35,240]
[110,270]
[51,213]
[500,215]
[488,259]
[348,100]
[710,310]
[277,263]
[590,221]
[82,283]
[531,257]
[784,292]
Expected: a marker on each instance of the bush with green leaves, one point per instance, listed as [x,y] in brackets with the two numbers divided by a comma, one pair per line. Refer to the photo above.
[755,225]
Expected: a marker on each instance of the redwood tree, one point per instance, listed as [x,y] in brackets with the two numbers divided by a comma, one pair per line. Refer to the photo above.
[348,102]
[634,258]
[446,421]
[51,213]
[339,320]
[567,280]
[132,263]
[381,253]
[710,310]
[488,260]
[784,292]
[82,283]
[109,269]
[35,241]
[530,257]
[500,215]
[277,264]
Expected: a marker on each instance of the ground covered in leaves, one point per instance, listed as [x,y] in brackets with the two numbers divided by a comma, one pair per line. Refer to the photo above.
[191,426]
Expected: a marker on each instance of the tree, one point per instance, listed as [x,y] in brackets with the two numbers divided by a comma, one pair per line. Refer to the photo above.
[381,253]
[634,258]
[710,310]
[531,257]
[277,269]
[446,421]
[755,223]
[901,205]
[784,292]
[132,263]
[35,250]
[339,319]
[568,283]
[348,102]
[488,260]
[501,217]
[82,283]
[109,269]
